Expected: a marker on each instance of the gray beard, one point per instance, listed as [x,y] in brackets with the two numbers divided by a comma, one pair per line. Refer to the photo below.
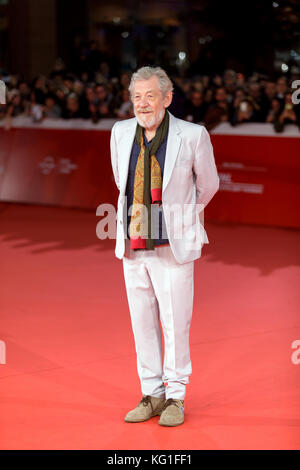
[150,123]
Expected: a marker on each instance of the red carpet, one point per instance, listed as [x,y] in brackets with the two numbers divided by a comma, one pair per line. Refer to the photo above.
[70,374]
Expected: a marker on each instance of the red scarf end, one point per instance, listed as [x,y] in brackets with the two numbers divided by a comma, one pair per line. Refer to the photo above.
[137,242]
[156,195]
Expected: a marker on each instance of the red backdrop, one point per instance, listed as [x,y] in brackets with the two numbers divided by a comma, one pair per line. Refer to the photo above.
[259,179]
[56,166]
[71,167]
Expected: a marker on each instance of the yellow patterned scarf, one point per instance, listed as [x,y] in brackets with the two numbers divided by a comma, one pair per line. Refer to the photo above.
[147,187]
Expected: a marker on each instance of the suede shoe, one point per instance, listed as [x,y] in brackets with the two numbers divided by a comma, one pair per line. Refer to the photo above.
[172,413]
[148,406]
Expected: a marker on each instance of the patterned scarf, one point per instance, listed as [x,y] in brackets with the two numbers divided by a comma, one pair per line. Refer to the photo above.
[147,187]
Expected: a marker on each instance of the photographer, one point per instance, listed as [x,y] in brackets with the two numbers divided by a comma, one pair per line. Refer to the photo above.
[288,115]
[244,110]
[219,111]
[275,111]
[195,108]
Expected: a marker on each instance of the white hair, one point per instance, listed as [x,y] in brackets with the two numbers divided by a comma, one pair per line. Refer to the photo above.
[144,73]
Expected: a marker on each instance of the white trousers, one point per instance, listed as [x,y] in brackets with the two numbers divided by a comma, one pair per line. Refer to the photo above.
[158,287]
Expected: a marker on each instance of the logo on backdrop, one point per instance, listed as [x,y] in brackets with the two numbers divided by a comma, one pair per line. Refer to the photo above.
[63,166]
[226,184]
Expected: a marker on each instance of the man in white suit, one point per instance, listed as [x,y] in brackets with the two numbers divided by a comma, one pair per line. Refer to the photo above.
[168,165]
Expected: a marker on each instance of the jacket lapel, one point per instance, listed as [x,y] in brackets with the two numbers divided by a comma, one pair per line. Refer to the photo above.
[126,143]
[172,149]
[173,144]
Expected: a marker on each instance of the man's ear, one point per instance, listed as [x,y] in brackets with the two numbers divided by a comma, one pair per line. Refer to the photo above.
[168,99]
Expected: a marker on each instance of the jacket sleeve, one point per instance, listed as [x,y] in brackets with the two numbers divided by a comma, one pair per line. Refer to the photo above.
[114,155]
[205,170]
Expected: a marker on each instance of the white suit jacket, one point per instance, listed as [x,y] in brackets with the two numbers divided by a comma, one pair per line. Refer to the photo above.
[190,177]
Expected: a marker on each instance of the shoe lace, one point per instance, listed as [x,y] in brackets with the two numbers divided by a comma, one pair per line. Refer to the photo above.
[146,400]
[170,401]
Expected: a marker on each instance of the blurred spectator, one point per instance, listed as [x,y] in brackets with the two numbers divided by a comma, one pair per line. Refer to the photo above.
[195,107]
[35,108]
[105,102]
[68,83]
[219,111]
[51,108]
[244,111]
[40,89]
[270,90]
[288,114]
[268,95]
[208,96]
[229,84]
[88,102]
[275,111]
[240,80]
[97,88]
[217,80]
[103,74]
[85,77]
[71,111]
[60,97]
[78,87]
[239,97]
[15,106]
[24,90]
[205,81]
[124,80]
[260,106]
[126,109]
[281,89]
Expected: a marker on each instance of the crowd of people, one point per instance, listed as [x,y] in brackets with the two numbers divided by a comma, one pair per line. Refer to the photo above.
[100,93]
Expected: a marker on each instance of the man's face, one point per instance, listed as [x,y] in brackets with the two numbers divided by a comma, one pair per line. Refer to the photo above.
[270,89]
[90,94]
[148,102]
[254,90]
[240,94]
[101,93]
[221,94]
[281,85]
[197,98]
[49,102]
[72,104]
